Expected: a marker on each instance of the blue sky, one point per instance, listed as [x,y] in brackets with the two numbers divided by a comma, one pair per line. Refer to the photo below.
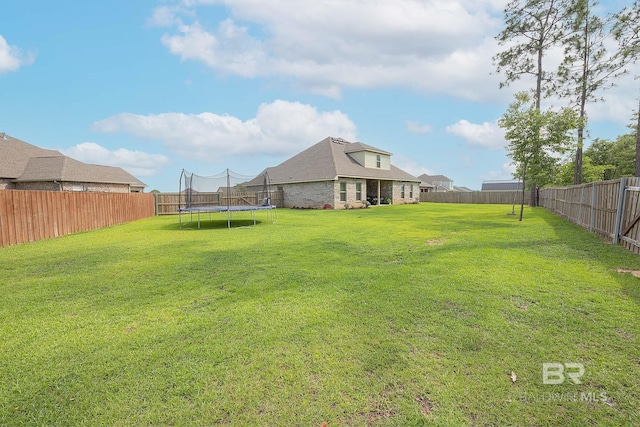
[205,85]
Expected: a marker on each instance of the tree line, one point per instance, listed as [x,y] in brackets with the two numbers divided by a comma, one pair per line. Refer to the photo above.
[597,49]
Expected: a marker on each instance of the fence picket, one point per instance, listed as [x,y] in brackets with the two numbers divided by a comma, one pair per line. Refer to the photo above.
[607,208]
[475,197]
[26,216]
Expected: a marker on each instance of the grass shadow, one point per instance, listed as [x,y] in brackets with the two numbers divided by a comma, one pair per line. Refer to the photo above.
[632,290]
[211,224]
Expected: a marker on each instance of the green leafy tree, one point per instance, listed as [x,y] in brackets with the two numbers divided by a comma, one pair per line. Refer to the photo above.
[623,155]
[590,172]
[617,157]
[627,33]
[587,67]
[536,138]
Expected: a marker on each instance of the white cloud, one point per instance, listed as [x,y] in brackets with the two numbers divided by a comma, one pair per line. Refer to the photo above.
[439,46]
[619,102]
[135,162]
[279,128]
[163,16]
[416,127]
[486,135]
[506,173]
[231,50]
[409,165]
[12,58]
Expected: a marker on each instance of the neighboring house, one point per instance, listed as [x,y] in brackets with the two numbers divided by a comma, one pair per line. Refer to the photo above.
[462,189]
[425,187]
[497,186]
[438,183]
[341,174]
[26,167]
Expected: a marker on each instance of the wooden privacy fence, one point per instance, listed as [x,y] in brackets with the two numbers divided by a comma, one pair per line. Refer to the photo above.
[475,197]
[610,209]
[27,216]
[168,203]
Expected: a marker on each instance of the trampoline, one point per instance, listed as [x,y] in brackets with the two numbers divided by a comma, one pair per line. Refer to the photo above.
[203,195]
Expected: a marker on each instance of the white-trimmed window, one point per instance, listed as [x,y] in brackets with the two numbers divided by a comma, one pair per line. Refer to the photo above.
[411,191]
[402,191]
[343,191]
[378,161]
[358,191]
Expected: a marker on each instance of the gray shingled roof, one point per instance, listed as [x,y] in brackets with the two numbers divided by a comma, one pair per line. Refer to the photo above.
[23,162]
[501,185]
[329,159]
[354,147]
[15,154]
[432,179]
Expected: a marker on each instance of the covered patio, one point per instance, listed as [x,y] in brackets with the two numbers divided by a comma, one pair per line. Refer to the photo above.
[379,192]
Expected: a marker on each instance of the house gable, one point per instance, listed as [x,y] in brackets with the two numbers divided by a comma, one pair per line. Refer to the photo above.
[368,156]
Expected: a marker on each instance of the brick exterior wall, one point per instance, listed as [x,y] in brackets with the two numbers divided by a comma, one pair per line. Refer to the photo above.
[351,201]
[309,194]
[72,186]
[40,186]
[316,195]
[397,193]
[98,188]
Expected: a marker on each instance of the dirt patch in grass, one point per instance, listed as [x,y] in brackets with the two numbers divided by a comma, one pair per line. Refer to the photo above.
[435,242]
[520,303]
[624,334]
[425,405]
[634,273]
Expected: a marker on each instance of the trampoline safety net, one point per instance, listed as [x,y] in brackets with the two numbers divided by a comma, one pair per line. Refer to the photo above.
[225,192]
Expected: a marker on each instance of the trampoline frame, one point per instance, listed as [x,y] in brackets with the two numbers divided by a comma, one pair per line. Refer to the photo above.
[228,208]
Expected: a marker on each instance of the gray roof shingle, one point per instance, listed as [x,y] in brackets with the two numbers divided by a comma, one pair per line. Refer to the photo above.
[23,162]
[329,159]
[15,154]
[501,185]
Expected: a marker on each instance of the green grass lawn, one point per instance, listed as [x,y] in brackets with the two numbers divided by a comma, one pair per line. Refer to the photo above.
[397,315]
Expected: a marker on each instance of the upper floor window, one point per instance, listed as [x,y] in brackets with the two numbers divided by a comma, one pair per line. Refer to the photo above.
[378,161]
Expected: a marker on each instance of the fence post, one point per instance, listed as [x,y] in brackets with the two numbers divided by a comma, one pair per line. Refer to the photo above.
[155,202]
[619,213]
[593,207]
[580,206]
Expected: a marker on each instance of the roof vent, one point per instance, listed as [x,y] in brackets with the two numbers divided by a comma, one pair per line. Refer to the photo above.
[3,136]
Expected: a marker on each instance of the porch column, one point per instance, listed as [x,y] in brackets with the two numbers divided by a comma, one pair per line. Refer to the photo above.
[378,192]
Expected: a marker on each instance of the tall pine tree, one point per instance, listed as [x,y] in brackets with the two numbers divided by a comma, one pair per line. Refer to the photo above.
[587,67]
[532,28]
